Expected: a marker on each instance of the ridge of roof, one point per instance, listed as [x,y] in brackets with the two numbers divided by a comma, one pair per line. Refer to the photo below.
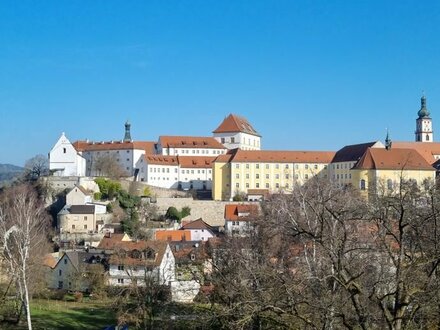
[236,124]
[393,159]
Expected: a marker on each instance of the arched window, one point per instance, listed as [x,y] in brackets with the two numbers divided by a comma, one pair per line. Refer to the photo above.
[362,184]
[427,137]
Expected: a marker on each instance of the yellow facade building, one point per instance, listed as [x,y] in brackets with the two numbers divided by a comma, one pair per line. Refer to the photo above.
[240,171]
[380,171]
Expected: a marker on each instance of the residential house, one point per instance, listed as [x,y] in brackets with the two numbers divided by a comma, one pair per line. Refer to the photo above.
[78,195]
[82,219]
[138,261]
[200,230]
[240,218]
[74,270]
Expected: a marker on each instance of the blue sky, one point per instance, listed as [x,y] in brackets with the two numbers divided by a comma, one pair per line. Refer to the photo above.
[309,75]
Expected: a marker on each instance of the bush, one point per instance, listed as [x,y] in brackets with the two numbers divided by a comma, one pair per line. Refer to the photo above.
[109,208]
[185,211]
[173,214]
[97,196]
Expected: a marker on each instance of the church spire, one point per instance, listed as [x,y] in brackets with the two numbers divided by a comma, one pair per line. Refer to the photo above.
[388,141]
[423,112]
[127,136]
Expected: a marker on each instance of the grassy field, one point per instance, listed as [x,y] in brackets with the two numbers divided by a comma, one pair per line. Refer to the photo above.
[53,314]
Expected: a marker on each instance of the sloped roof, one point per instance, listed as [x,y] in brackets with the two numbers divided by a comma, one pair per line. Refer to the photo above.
[109,242]
[162,160]
[197,224]
[123,253]
[232,212]
[196,162]
[82,209]
[426,149]
[392,159]
[278,156]
[353,152]
[147,146]
[183,161]
[173,235]
[236,124]
[190,142]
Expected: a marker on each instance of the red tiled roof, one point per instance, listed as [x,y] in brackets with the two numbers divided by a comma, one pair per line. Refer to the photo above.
[196,162]
[50,261]
[393,159]
[232,212]
[197,224]
[124,249]
[426,149]
[236,124]
[162,160]
[276,156]
[173,235]
[147,146]
[190,142]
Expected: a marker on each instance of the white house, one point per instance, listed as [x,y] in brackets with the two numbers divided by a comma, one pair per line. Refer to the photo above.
[78,196]
[200,230]
[240,218]
[236,132]
[140,261]
[65,160]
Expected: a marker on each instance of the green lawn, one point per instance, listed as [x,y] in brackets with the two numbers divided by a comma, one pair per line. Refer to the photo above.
[54,314]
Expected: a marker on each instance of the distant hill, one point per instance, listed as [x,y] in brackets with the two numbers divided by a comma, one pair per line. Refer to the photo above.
[8,172]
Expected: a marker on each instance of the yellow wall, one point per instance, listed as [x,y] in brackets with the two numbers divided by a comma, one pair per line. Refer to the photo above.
[376,181]
[238,177]
[221,181]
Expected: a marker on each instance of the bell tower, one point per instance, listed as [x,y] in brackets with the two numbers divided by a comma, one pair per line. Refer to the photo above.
[424,123]
[127,136]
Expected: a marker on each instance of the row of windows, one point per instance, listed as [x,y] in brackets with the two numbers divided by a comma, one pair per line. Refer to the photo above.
[342,176]
[257,185]
[167,170]
[286,166]
[254,142]
[107,152]
[346,166]
[195,151]
[74,227]
[277,176]
[153,178]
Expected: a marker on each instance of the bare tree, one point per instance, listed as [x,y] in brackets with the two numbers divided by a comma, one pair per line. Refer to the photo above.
[108,166]
[36,167]
[23,224]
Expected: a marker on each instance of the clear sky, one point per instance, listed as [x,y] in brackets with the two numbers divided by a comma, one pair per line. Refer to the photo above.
[309,75]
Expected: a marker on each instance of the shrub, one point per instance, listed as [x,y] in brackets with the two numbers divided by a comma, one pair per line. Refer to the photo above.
[185,211]
[173,214]
[97,196]
[147,192]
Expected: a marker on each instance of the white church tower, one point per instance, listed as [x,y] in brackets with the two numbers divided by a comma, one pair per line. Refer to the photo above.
[424,124]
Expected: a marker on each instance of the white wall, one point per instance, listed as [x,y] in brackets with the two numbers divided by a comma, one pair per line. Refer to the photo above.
[200,234]
[64,159]
[240,140]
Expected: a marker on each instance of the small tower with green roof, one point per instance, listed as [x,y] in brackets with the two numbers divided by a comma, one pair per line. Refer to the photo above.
[424,123]
[127,136]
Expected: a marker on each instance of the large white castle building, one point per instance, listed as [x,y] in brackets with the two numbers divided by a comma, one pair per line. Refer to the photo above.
[179,162]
